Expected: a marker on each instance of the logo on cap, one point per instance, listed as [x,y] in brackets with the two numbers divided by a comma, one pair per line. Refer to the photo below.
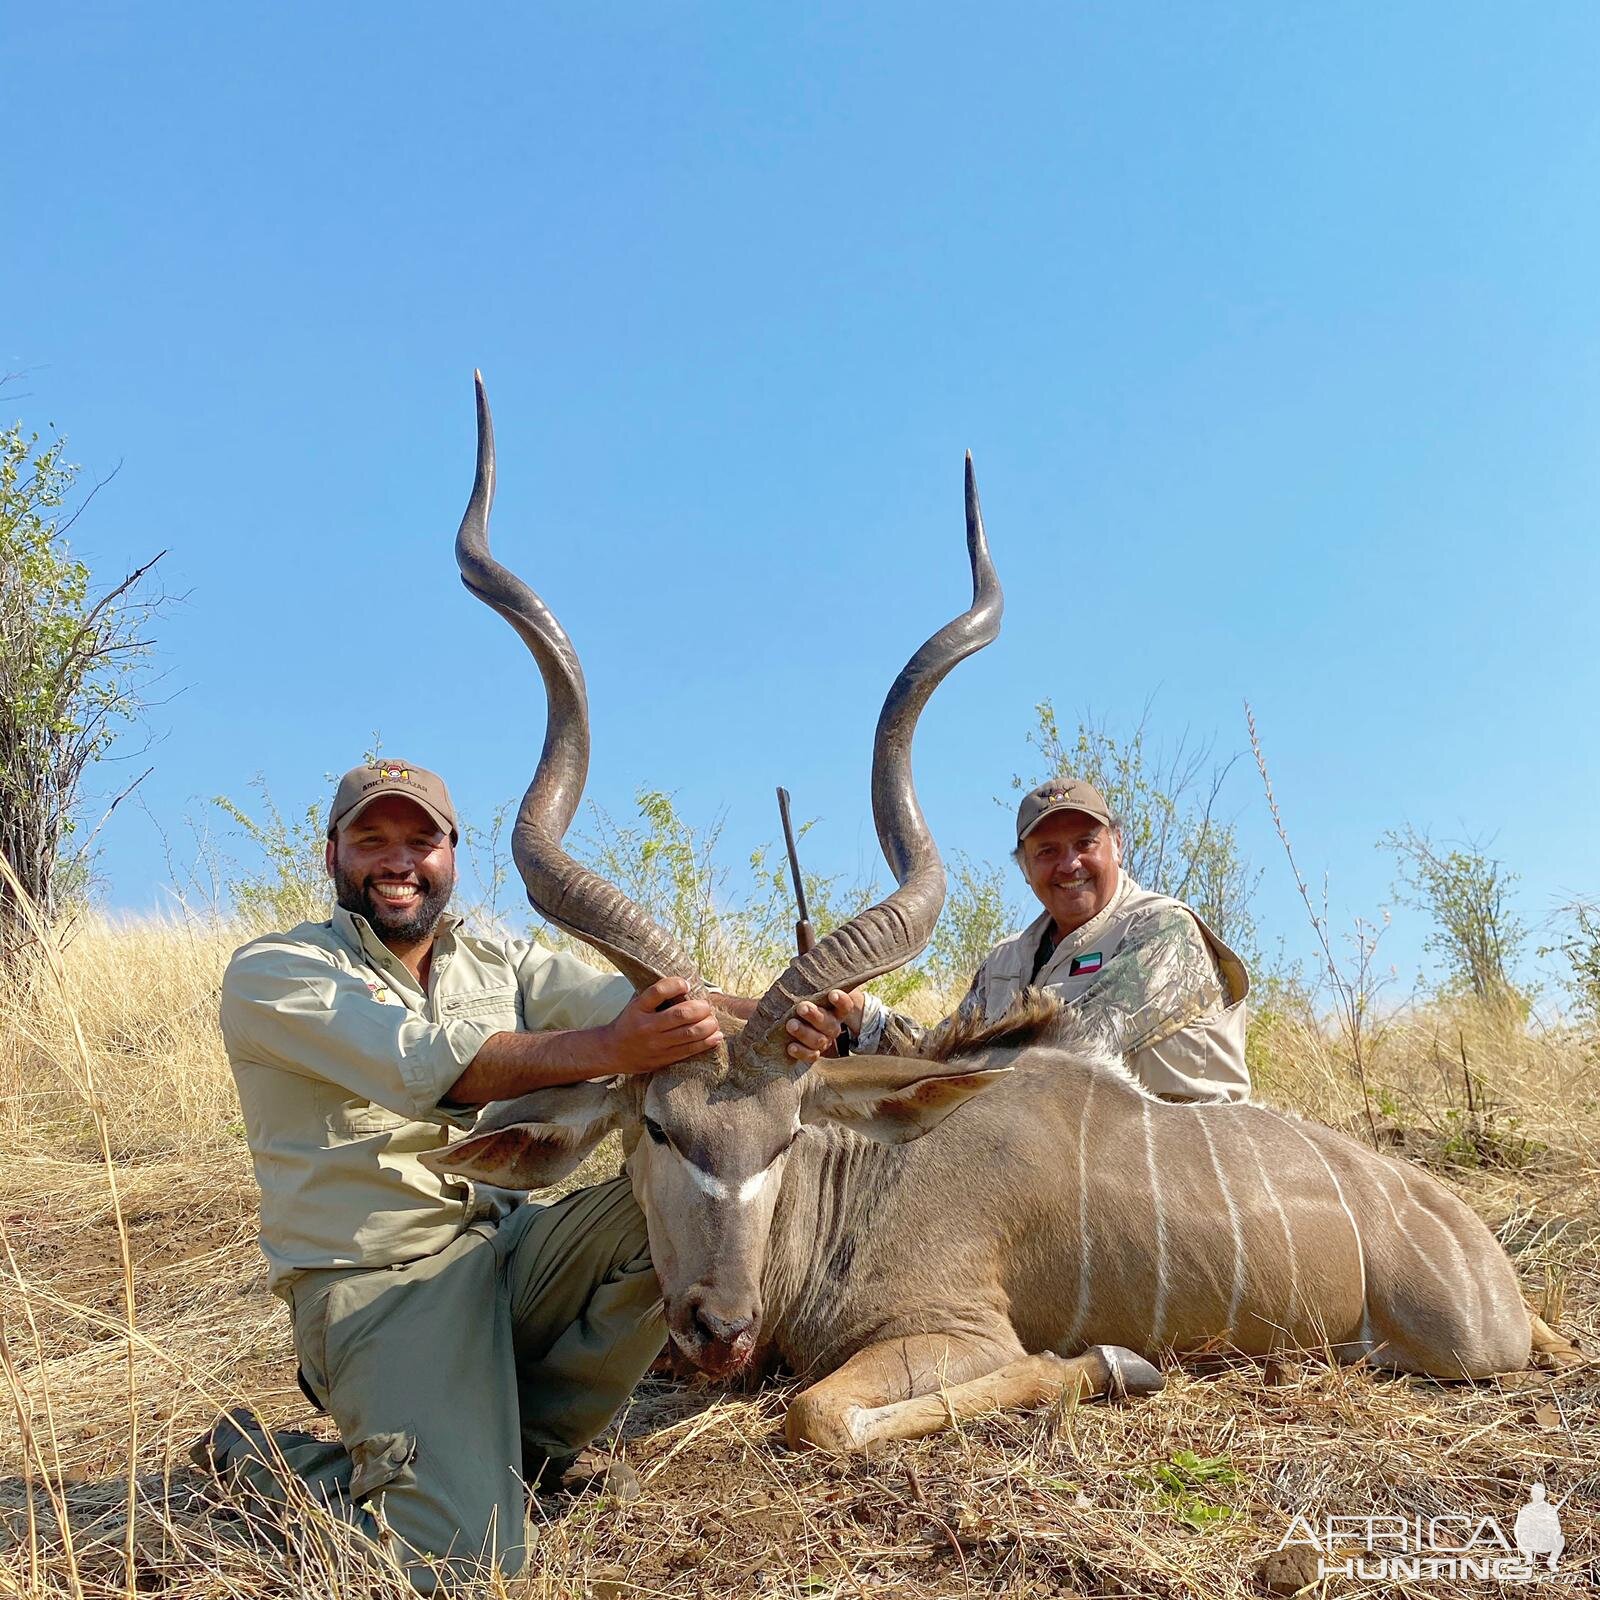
[402,773]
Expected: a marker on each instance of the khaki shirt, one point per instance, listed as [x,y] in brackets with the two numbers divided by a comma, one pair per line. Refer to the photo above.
[1170,991]
[342,1061]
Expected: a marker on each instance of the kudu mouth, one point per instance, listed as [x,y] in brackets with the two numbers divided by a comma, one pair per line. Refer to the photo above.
[719,1352]
[878,940]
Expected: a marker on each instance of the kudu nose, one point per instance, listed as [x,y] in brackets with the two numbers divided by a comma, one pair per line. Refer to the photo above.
[725,1326]
[724,1332]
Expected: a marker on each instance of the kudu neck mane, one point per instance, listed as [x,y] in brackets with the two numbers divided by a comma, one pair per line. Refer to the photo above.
[1035,1017]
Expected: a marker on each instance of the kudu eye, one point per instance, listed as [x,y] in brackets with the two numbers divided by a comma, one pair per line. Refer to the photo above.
[653,1128]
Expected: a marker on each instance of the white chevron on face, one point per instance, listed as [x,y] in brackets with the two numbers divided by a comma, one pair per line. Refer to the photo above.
[715,1188]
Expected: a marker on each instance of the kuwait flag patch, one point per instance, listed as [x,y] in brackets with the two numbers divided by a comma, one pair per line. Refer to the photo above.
[1082,965]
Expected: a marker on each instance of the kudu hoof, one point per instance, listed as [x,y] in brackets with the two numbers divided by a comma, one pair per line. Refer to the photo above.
[1131,1374]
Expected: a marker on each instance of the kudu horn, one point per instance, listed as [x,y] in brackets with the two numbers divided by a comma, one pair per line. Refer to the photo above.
[569,895]
[888,935]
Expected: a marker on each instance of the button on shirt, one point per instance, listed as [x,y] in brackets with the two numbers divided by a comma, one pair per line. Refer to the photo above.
[342,1061]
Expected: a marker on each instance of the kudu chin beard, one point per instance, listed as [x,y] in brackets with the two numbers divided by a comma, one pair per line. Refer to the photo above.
[409,925]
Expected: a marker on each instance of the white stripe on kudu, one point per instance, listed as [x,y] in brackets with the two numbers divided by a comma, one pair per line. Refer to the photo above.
[1081,1312]
[1344,1205]
[1283,1222]
[1233,1223]
[1404,1231]
[1464,1274]
[1159,1314]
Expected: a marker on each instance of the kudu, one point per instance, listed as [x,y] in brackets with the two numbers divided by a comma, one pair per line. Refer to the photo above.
[1059,1216]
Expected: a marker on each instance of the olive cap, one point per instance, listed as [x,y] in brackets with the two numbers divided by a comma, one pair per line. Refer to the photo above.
[360,786]
[1060,794]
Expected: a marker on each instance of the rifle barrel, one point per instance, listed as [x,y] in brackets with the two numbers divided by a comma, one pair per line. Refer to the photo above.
[804,935]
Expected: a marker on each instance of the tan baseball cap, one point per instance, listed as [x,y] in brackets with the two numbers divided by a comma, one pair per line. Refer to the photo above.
[1060,794]
[360,786]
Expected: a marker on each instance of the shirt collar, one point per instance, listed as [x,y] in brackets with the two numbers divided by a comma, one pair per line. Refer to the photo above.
[1082,937]
[359,934]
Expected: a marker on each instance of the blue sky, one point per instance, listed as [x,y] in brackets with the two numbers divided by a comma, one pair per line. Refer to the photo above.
[1272,329]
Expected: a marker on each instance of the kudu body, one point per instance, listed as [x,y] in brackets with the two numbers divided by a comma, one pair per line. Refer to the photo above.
[1060,1222]
[1064,1208]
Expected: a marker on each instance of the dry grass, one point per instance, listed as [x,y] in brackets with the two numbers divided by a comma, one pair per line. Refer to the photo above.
[1181,1495]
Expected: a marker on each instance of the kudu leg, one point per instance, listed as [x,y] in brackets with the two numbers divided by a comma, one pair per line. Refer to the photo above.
[906,1388]
[1551,1350]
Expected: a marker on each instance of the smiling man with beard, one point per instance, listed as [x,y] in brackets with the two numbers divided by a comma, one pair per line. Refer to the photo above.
[462,1342]
[1170,993]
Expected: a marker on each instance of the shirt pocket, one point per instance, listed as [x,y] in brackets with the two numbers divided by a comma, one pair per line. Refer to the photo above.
[357,1119]
[484,1005]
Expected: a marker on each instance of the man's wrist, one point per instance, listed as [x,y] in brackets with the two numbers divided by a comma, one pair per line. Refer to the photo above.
[873,1016]
[595,1049]
[510,1064]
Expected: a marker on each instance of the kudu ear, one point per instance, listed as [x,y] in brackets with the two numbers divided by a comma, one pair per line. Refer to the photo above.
[535,1141]
[888,1098]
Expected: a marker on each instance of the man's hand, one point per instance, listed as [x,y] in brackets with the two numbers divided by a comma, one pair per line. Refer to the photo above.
[814,1032]
[644,1037]
[641,1039]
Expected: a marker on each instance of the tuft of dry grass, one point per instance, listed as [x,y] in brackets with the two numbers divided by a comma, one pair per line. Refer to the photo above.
[144,995]
[1182,1495]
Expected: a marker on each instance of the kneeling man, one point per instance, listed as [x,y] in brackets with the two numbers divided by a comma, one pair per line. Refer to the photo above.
[463,1342]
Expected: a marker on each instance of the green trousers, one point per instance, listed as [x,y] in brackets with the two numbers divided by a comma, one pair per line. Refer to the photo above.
[455,1379]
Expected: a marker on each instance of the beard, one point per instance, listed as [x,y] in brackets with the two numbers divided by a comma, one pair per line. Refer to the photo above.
[409,924]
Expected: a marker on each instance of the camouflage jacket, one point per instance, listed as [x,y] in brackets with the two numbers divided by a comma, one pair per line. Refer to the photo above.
[1169,993]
